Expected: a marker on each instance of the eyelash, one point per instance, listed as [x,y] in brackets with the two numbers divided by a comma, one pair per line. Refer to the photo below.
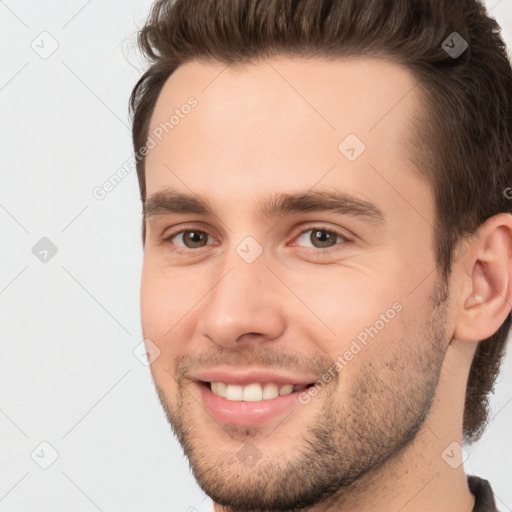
[308,250]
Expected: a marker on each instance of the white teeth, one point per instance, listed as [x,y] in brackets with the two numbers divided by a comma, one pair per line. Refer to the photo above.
[253,392]
[234,392]
[270,391]
[286,389]
[219,388]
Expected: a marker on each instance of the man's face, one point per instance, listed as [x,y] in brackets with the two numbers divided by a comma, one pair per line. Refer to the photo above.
[267,300]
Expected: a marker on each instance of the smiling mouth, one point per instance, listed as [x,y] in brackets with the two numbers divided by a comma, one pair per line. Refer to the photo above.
[253,392]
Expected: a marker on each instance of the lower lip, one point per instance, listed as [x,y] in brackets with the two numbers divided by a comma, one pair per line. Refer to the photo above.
[246,413]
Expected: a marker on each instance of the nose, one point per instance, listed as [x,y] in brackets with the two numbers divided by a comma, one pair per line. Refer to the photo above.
[244,306]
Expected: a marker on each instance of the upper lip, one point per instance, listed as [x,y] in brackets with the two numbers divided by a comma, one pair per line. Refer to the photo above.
[248,376]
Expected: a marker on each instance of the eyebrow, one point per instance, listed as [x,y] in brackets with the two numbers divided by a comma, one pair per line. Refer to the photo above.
[171,202]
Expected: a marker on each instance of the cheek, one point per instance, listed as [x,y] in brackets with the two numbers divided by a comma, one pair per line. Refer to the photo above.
[166,296]
[169,302]
[153,294]
[348,302]
[363,321]
[157,303]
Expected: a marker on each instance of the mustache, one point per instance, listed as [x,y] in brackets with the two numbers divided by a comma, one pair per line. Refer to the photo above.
[266,358]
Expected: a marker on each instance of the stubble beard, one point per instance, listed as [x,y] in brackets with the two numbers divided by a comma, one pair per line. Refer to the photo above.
[388,407]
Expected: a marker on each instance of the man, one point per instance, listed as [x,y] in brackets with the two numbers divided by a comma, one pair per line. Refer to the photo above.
[327,245]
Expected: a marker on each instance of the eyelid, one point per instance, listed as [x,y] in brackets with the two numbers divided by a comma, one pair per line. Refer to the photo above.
[326,252]
[168,235]
[299,231]
[180,228]
[342,233]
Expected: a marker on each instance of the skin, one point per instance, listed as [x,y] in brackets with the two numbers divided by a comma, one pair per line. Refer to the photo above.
[372,439]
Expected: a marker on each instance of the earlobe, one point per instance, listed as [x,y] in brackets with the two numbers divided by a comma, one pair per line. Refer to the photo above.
[486,271]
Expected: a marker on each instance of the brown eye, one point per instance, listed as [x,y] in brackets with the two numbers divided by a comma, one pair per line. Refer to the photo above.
[320,238]
[191,239]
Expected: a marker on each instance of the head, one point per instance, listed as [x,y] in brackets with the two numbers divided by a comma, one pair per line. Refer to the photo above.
[322,183]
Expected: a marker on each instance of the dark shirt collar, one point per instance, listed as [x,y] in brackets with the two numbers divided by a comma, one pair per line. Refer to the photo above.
[484,498]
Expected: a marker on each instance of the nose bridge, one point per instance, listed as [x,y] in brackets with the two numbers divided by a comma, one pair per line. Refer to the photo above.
[242,300]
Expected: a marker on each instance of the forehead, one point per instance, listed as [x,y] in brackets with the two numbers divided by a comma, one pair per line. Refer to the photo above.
[286,124]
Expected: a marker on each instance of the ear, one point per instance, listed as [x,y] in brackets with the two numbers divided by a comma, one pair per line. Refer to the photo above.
[486,280]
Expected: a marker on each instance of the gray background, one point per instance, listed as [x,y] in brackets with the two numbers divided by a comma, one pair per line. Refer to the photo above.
[70,324]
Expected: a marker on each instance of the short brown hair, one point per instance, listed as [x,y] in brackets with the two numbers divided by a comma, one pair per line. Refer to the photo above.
[462,136]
